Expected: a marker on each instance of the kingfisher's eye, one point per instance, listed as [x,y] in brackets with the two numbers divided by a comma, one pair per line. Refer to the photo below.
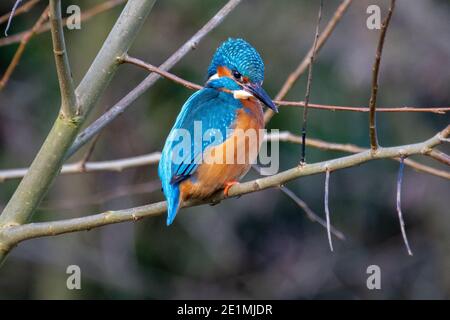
[237,75]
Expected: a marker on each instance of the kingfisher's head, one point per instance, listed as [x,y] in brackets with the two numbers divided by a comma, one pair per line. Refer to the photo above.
[237,60]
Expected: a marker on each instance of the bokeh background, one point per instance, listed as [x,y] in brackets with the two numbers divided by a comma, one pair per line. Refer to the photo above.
[260,245]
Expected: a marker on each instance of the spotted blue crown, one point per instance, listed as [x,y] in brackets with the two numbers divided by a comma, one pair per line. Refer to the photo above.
[239,55]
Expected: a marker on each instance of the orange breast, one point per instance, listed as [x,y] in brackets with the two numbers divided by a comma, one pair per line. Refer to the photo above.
[230,160]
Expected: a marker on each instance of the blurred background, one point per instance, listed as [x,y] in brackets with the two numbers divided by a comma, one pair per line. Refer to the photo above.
[261,245]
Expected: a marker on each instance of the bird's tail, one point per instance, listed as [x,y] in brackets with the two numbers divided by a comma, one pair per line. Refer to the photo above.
[173,204]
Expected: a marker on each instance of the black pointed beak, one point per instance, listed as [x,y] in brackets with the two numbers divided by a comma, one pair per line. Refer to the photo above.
[257,91]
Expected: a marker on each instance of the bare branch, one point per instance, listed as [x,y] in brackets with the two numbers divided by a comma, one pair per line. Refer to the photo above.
[162,73]
[126,101]
[375,73]
[86,15]
[440,156]
[308,84]
[399,207]
[301,68]
[13,234]
[309,213]
[194,86]
[14,13]
[49,159]
[327,209]
[152,158]
[437,110]
[19,52]
[117,165]
[69,105]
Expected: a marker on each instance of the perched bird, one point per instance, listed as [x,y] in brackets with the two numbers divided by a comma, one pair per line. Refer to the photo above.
[227,108]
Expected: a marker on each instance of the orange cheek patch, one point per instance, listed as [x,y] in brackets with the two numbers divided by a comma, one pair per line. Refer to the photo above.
[223,71]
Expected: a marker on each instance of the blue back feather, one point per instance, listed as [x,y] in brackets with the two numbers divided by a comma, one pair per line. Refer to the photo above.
[216,110]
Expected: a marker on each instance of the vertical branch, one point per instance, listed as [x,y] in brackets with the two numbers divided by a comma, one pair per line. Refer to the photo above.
[327,210]
[399,208]
[375,72]
[308,84]
[68,99]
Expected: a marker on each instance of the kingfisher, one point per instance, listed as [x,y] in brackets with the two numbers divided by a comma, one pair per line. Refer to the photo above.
[201,152]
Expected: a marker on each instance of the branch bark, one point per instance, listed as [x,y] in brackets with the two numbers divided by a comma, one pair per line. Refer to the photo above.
[301,68]
[126,101]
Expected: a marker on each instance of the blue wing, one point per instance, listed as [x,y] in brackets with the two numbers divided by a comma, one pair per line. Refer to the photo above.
[202,122]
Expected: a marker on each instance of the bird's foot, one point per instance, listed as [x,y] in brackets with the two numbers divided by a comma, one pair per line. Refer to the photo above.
[228,185]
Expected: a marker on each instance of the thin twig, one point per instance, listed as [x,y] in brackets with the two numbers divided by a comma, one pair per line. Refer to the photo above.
[327,209]
[126,101]
[50,158]
[13,11]
[399,207]
[86,15]
[153,158]
[194,86]
[308,84]
[85,158]
[286,136]
[22,9]
[309,213]
[304,206]
[162,73]
[19,52]
[301,68]
[13,234]
[437,110]
[375,72]
[69,104]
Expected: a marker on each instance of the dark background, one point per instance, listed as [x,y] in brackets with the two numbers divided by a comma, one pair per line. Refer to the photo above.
[261,245]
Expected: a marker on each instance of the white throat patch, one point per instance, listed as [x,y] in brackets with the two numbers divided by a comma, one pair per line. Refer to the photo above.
[237,94]
[241,94]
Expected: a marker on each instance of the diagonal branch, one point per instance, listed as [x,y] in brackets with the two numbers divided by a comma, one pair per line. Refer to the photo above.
[20,50]
[194,86]
[309,213]
[85,15]
[375,73]
[69,105]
